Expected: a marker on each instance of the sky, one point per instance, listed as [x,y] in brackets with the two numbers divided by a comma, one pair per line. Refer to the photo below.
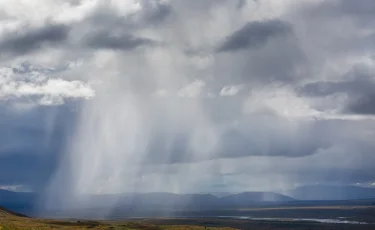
[111,96]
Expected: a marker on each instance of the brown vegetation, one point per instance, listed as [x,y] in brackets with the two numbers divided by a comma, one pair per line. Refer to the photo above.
[14,221]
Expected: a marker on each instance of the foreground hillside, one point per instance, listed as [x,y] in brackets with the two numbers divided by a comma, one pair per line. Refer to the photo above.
[13,221]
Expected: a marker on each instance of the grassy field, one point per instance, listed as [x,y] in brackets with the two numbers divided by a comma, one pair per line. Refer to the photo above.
[14,221]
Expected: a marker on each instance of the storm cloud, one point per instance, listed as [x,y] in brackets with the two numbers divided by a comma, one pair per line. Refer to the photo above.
[254,35]
[120,42]
[107,96]
[28,39]
[358,88]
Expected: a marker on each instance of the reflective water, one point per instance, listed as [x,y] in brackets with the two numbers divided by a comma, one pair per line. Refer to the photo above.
[340,220]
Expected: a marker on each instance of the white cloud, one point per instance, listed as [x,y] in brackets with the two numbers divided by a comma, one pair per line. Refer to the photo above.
[126,7]
[161,93]
[51,100]
[284,102]
[47,91]
[202,62]
[65,12]
[281,101]
[230,90]
[194,89]
[15,188]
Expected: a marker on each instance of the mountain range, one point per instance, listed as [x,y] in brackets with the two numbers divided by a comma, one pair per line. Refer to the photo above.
[157,203]
[28,203]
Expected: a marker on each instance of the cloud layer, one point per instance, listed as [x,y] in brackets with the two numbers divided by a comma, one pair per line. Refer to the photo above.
[248,95]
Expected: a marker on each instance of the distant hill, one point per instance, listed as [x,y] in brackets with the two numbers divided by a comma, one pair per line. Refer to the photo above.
[248,198]
[168,204]
[221,194]
[200,201]
[319,192]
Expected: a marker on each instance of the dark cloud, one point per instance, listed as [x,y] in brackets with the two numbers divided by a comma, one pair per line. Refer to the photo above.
[280,60]
[26,168]
[361,13]
[272,136]
[358,9]
[255,34]
[106,20]
[266,135]
[156,14]
[235,145]
[334,175]
[364,105]
[195,6]
[270,52]
[104,40]
[241,3]
[29,39]
[32,143]
[106,29]
[362,7]
[359,89]
[325,88]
